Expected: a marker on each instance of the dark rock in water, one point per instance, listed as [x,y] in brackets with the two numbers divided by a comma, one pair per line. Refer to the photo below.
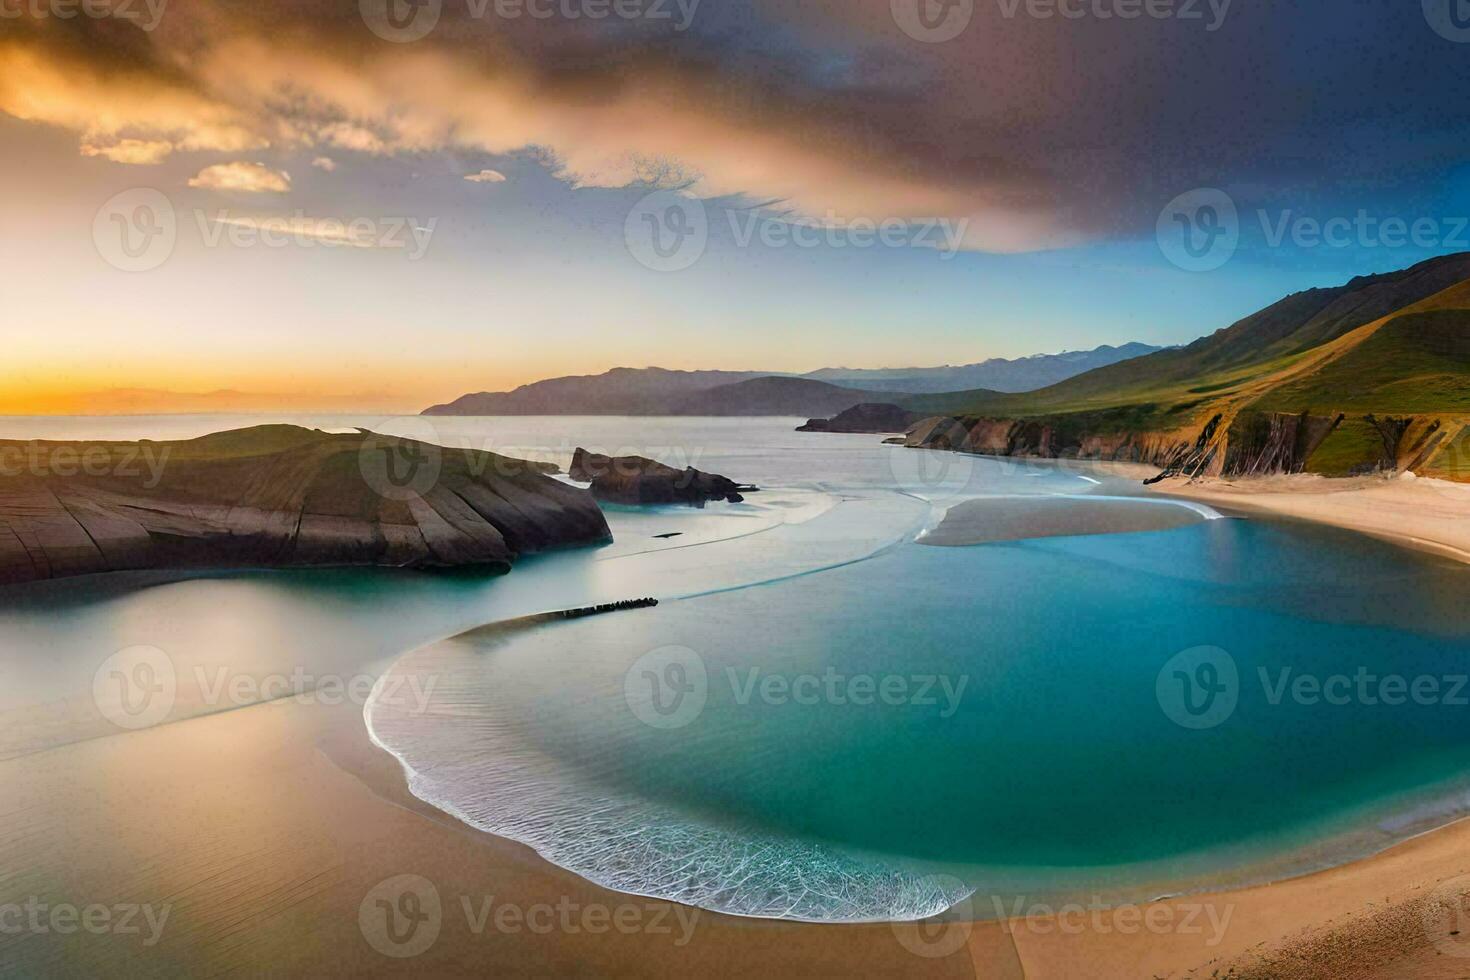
[277,496]
[638,480]
[866,418]
[606,607]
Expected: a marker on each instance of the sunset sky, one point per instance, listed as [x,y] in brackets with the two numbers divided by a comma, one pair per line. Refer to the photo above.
[462,209]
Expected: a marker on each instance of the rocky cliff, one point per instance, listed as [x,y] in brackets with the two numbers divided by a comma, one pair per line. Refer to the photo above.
[277,497]
[1249,443]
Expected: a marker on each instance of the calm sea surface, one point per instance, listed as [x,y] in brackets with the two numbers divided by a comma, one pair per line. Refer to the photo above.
[824,719]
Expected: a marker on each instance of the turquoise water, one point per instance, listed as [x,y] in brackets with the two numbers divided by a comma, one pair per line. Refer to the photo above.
[1029,746]
[1036,740]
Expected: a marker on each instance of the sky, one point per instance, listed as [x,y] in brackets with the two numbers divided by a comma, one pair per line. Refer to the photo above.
[384,204]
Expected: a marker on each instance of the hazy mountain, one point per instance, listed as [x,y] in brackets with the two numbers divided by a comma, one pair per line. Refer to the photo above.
[656,391]
[621,391]
[775,396]
[997,374]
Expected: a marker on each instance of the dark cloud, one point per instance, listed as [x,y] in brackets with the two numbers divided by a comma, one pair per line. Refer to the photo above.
[1044,132]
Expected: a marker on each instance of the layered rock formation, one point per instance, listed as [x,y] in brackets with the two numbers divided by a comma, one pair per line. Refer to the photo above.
[865,418]
[276,497]
[1250,443]
[639,480]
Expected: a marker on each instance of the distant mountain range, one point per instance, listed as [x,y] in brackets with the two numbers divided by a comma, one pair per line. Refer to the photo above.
[997,374]
[656,391]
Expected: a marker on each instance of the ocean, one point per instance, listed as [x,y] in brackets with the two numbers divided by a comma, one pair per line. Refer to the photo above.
[825,719]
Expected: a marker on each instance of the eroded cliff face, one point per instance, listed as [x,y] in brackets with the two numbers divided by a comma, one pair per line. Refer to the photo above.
[1248,443]
[274,497]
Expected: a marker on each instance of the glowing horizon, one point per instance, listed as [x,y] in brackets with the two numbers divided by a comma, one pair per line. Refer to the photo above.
[332,211]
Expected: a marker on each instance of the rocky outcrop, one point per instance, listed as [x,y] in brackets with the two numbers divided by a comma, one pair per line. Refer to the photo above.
[638,480]
[277,497]
[1249,443]
[865,418]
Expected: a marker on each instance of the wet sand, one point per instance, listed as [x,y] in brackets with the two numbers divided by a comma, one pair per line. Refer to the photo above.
[1431,515]
[1018,518]
[268,832]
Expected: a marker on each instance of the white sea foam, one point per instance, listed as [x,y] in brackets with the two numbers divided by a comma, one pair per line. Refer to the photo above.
[461,759]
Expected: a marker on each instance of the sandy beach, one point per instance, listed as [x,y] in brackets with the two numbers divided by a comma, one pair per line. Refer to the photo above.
[276,860]
[979,521]
[278,838]
[1432,515]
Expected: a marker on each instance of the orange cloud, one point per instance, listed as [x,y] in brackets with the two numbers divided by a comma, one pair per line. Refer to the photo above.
[213,85]
[250,178]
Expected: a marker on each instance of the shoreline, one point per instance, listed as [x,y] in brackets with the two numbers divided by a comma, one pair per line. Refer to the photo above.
[289,868]
[1420,513]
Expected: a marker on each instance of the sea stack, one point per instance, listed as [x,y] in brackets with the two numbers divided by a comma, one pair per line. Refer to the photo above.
[639,480]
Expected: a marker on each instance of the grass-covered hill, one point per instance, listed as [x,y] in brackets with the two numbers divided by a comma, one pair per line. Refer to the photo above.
[1373,374]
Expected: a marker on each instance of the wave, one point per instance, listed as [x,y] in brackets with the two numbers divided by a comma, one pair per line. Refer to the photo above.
[459,760]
